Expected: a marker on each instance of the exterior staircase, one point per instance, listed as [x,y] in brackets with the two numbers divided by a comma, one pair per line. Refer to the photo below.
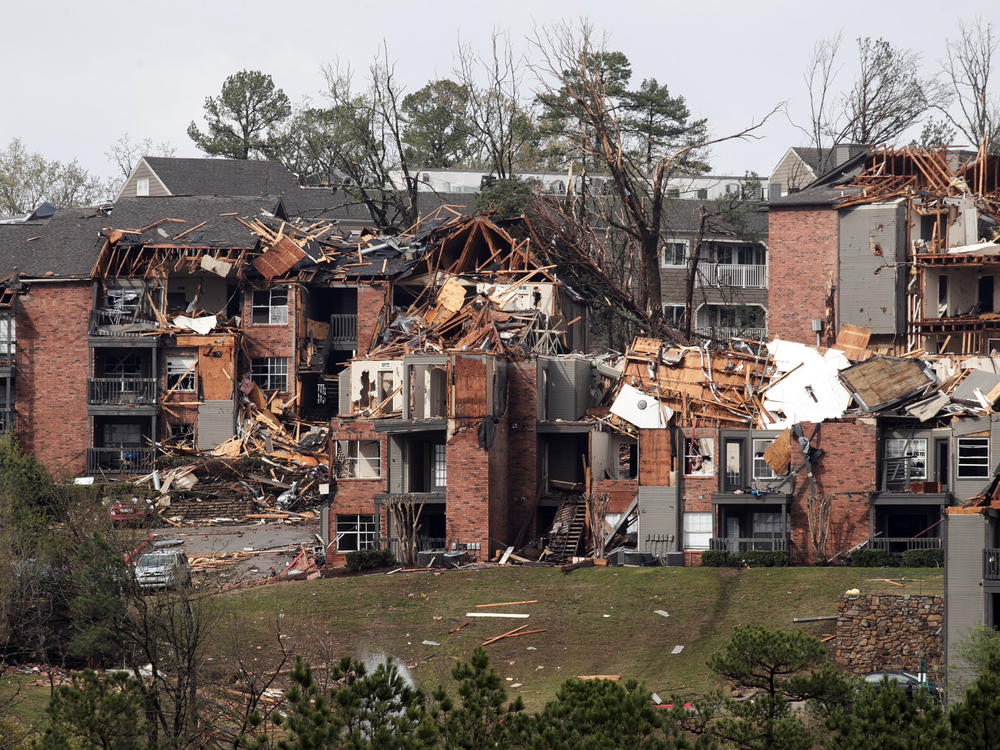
[567,528]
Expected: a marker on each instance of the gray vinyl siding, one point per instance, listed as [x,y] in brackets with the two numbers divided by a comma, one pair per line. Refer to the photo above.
[659,516]
[216,423]
[142,171]
[395,465]
[567,388]
[871,286]
[344,392]
[965,539]
[792,172]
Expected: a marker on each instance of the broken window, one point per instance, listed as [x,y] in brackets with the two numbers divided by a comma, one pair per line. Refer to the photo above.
[182,434]
[698,455]
[674,253]
[180,372]
[358,459]
[697,530]
[269,307]
[973,457]
[673,315]
[270,373]
[766,525]
[906,457]
[626,461]
[356,531]
[760,468]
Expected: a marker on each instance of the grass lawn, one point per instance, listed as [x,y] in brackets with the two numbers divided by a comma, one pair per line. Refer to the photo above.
[597,620]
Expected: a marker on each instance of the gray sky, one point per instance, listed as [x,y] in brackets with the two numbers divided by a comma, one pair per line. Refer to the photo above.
[79,75]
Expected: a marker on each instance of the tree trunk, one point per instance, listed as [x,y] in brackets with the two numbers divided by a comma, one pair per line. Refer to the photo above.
[692,272]
[652,291]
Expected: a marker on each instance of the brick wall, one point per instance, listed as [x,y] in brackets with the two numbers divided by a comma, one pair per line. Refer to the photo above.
[51,383]
[877,633]
[846,474]
[272,340]
[356,495]
[621,492]
[802,253]
[371,301]
[467,495]
[697,490]
[523,446]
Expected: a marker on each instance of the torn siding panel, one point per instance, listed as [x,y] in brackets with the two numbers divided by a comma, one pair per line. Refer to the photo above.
[872,242]
[216,423]
[659,519]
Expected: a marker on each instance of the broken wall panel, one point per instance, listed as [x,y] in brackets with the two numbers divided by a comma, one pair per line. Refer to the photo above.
[872,245]
[655,458]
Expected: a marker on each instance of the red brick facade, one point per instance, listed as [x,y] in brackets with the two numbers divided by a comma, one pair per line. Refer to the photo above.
[355,496]
[802,270]
[272,340]
[51,381]
[371,302]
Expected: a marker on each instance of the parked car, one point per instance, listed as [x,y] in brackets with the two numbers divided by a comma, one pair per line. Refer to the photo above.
[910,683]
[136,512]
[163,568]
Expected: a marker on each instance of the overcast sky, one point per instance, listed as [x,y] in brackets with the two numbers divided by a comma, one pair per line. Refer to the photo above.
[79,75]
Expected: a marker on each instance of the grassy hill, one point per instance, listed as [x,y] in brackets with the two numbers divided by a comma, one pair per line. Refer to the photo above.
[597,620]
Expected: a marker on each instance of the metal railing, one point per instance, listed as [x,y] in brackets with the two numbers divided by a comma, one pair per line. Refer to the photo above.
[8,421]
[424,543]
[118,323]
[123,391]
[991,564]
[746,544]
[896,544]
[8,354]
[124,460]
[734,275]
[344,327]
[897,474]
[733,332]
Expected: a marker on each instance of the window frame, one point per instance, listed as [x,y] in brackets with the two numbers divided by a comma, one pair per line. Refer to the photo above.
[690,535]
[178,381]
[265,370]
[978,462]
[365,532]
[754,458]
[901,442]
[272,313]
[675,245]
[350,460]
[689,441]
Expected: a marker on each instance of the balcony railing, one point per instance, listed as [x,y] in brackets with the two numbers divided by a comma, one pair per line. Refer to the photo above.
[125,460]
[747,544]
[898,544]
[897,473]
[121,391]
[991,564]
[423,544]
[344,328]
[733,275]
[733,332]
[118,323]
[8,354]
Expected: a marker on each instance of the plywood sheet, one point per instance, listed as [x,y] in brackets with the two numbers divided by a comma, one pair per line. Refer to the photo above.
[779,453]
[216,371]
[882,381]
[278,259]
[654,458]
[853,342]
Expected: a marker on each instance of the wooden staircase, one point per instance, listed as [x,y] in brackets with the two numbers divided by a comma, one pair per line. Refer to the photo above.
[567,528]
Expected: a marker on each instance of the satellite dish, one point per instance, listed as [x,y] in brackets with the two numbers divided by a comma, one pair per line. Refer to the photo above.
[640,404]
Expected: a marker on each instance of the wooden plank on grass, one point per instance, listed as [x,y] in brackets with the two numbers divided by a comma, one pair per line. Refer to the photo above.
[510,615]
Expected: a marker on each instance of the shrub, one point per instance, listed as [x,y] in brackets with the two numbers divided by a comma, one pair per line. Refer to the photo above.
[719,558]
[368,559]
[872,558]
[760,558]
[923,558]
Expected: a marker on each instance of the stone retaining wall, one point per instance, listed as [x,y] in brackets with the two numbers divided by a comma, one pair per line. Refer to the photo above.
[879,632]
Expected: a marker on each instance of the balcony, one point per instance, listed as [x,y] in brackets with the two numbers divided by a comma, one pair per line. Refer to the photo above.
[991,564]
[733,275]
[748,544]
[732,332]
[8,355]
[343,331]
[123,460]
[116,323]
[900,544]
[898,473]
[121,391]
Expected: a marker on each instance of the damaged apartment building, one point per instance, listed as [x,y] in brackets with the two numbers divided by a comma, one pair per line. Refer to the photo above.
[140,327]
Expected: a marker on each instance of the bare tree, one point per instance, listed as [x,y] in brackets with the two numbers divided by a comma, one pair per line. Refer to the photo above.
[27,178]
[968,69]
[499,122]
[405,515]
[570,67]
[886,97]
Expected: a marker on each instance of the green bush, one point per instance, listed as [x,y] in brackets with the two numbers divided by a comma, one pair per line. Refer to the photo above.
[719,558]
[760,558]
[923,558]
[368,559]
[872,558]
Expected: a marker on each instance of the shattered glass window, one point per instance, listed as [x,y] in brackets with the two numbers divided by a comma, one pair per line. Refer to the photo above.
[357,531]
[269,307]
[973,457]
[907,453]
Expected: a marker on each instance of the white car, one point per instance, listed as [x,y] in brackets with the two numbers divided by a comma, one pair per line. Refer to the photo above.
[162,568]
